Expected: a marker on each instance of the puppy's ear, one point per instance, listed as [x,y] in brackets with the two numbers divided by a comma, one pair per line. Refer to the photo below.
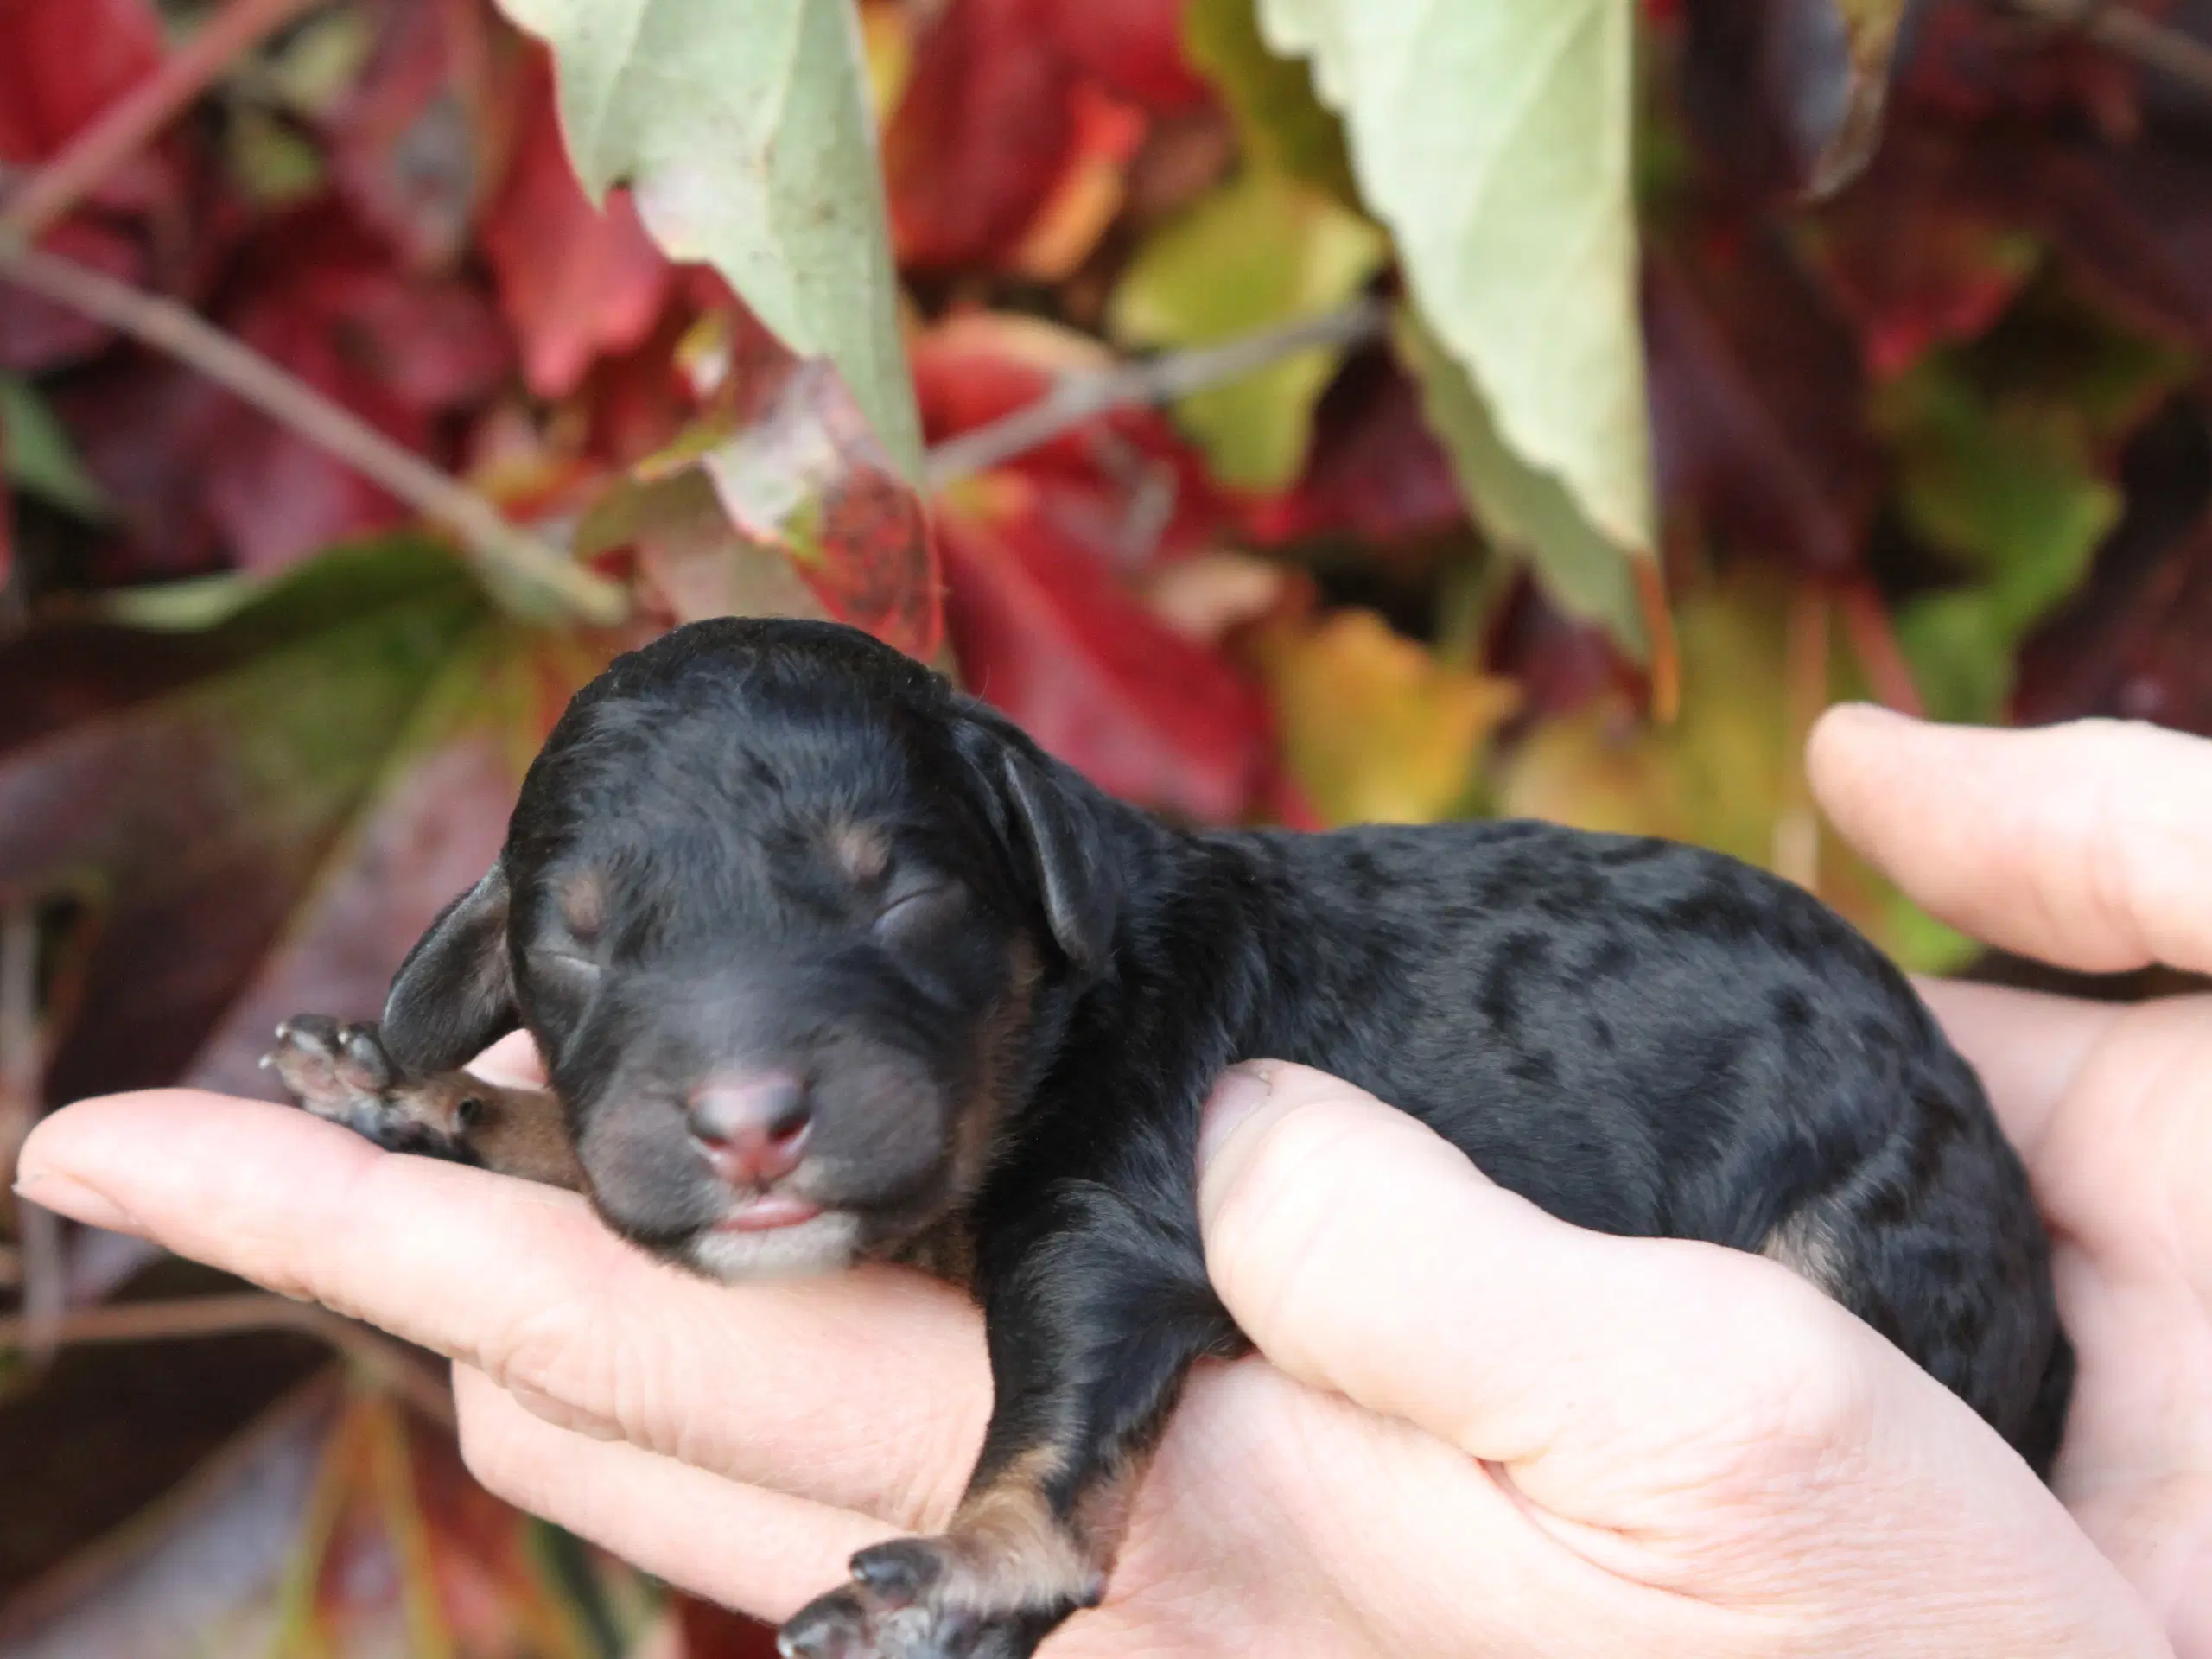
[454,995]
[1051,828]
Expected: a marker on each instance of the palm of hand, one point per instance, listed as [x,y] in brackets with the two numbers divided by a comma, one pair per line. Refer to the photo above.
[2119,1168]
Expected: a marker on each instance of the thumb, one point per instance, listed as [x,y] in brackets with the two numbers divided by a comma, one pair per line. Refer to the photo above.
[1364,1254]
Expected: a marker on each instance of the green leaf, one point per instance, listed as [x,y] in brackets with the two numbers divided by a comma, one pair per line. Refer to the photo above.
[743,128]
[2008,487]
[40,461]
[1525,512]
[1961,648]
[2006,446]
[1280,123]
[1493,140]
[1262,251]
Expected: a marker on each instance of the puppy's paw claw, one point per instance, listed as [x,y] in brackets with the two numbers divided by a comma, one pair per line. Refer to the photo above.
[914,1599]
[339,1071]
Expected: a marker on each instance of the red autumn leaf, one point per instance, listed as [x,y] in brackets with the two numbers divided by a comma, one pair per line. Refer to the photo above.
[1135,46]
[197,473]
[2134,220]
[1559,663]
[35,334]
[1923,250]
[151,432]
[575,282]
[1756,400]
[397,352]
[2131,645]
[60,64]
[803,473]
[980,135]
[1092,674]
[1375,471]
[1994,64]
[404,151]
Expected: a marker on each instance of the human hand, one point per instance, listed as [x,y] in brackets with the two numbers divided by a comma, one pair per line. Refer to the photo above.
[2088,845]
[1700,1453]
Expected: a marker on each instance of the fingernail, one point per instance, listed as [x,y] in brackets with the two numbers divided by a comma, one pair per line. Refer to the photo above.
[68,1196]
[1241,1092]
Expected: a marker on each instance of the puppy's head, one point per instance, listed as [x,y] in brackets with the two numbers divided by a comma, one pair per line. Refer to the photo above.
[777,904]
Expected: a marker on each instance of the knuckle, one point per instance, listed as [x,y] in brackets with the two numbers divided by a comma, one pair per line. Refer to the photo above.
[1811,1394]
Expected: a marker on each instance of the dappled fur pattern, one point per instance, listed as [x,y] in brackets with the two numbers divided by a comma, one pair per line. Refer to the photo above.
[706,870]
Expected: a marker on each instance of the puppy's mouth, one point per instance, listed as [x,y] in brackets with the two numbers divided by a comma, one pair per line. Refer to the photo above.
[762,1212]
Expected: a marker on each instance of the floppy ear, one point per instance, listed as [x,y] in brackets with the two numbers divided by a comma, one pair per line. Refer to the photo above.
[454,995]
[1048,820]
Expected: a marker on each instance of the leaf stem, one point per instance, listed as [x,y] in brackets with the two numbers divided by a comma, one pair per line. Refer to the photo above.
[1874,641]
[2128,32]
[518,563]
[1082,397]
[51,192]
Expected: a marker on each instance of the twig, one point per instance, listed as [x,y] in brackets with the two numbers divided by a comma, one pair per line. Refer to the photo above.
[1796,846]
[383,1359]
[1874,642]
[1084,398]
[38,1269]
[126,124]
[2119,28]
[519,564]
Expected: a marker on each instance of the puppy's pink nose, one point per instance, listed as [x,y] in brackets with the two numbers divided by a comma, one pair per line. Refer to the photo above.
[752,1132]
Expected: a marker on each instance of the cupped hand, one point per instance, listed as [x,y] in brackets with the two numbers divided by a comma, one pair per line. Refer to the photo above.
[1475,1429]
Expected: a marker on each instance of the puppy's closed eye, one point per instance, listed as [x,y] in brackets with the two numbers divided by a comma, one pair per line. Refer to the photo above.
[917,907]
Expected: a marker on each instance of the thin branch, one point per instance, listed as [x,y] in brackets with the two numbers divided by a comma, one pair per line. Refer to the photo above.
[1796,844]
[1874,642]
[39,1270]
[125,125]
[2129,33]
[1082,397]
[521,565]
[383,1360]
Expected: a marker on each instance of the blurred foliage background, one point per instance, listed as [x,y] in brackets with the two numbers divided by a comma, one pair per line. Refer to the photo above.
[1549,415]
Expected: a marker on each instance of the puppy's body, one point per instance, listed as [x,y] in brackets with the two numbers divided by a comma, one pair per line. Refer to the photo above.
[777,850]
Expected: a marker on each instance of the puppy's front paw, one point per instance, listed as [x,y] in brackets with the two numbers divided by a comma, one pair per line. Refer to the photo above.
[340,1071]
[924,1598]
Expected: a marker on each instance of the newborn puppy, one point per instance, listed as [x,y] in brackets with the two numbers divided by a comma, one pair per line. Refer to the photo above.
[827,961]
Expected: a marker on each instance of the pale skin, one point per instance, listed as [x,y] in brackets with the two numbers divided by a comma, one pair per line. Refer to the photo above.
[1471,1429]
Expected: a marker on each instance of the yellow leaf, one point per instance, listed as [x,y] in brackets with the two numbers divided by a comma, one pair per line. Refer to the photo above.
[1728,774]
[1262,250]
[1375,729]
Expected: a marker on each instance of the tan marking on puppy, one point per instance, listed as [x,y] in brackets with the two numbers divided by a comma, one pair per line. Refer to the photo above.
[1008,1549]
[862,850]
[999,1060]
[581,898]
[518,1132]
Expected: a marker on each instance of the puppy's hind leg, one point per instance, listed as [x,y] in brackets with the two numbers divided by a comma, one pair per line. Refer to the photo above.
[341,1072]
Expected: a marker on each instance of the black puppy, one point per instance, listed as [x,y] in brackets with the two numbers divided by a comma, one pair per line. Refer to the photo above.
[827,961]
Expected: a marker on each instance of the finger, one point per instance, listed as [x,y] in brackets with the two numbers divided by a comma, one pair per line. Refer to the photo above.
[867,1390]
[764,1553]
[2027,1047]
[511,1062]
[1364,1254]
[2086,845]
